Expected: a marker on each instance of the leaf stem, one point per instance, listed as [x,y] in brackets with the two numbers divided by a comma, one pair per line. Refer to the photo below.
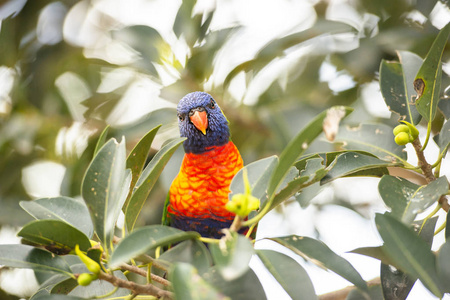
[107,294]
[208,240]
[250,230]
[435,210]
[427,138]
[442,227]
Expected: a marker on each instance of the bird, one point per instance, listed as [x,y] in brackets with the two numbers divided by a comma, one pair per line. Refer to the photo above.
[199,193]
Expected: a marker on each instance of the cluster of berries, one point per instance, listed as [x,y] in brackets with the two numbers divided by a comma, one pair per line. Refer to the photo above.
[405,133]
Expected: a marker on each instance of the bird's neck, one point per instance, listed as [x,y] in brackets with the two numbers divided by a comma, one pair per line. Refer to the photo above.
[198,143]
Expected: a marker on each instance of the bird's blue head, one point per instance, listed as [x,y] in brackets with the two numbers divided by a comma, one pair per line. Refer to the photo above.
[202,122]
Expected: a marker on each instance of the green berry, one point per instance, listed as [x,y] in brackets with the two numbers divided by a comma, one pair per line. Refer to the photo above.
[85,279]
[400,128]
[402,138]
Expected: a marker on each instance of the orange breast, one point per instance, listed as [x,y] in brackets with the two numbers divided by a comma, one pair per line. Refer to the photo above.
[201,188]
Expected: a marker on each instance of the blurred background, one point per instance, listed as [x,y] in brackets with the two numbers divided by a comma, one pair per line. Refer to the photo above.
[70,68]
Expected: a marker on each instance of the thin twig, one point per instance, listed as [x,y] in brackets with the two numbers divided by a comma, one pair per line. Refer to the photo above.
[148,289]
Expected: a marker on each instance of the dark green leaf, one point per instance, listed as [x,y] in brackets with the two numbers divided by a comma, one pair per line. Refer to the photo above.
[54,233]
[351,162]
[408,251]
[319,253]
[65,286]
[428,79]
[137,158]
[375,252]
[105,188]
[23,256]
[147,180]
[444,106]
[297,146]
[245,287]
[289,274]
[146,238]
[443,266]
[101,140]
[187,284]
[447,228]
[444,138]
[232,259]
[193,252]
[395,283]
[407,199]
[66,209]
[375,139]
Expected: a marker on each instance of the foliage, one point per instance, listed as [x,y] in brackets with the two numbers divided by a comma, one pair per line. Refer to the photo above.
[83,251]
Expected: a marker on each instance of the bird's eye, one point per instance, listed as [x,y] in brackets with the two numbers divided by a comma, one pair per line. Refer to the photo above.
[180,117]
[212,104]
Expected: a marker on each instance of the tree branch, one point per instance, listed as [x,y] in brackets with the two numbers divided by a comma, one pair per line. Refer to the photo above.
[343,293]
[148,289]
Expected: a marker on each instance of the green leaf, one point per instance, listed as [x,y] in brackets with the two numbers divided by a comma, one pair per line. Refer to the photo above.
[137,159]
[443,266]
[428,79]
[193,252]
[289,274]
[54,233]
[411,63]
[277,47]
[407,199]
[244,287]
[105,188]
[233,257]
[375,252]
[397,284]
[447,227]
[24,256]
[188,285]
[147,180]
[101,140]
[297,146]
[65,209]
[349,163]
[409,251]
[444,138]
[146,238]
[320,254]
[148,42]
[313,172]
[258,173]
[396,84]
[376,139]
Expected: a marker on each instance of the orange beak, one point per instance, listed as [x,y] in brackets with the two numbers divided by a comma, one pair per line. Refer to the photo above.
[200,120]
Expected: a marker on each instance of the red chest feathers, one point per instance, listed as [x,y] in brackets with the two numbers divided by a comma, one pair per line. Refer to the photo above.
[201,188]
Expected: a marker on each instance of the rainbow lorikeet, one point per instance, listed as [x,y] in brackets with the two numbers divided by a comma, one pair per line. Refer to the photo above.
[197,196]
